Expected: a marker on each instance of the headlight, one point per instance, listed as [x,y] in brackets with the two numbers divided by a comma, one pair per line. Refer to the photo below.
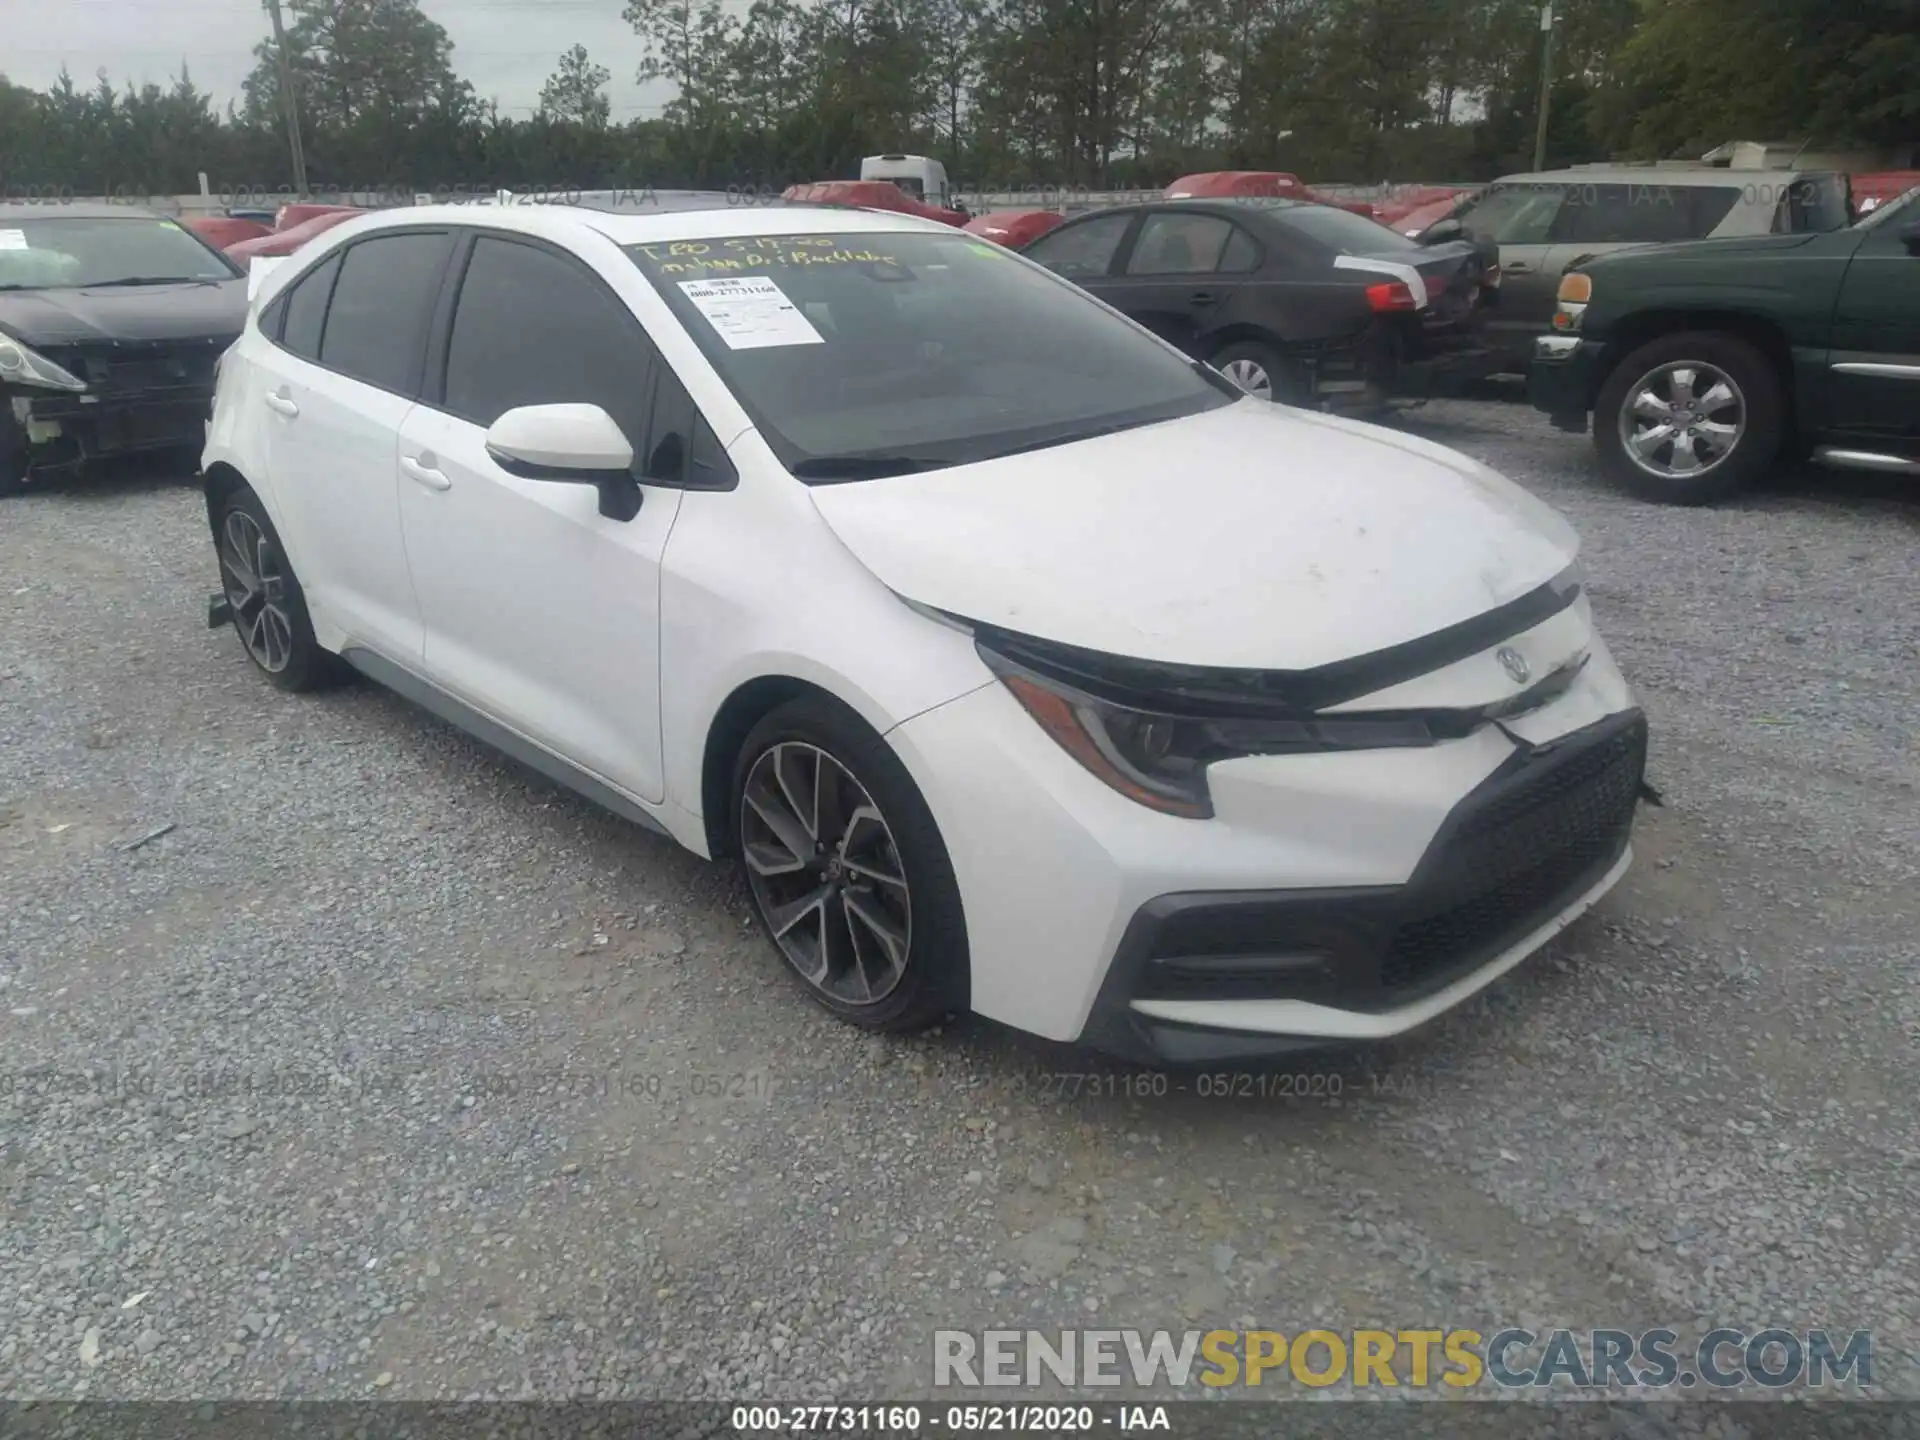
[1160,760]
[1572,297]
[20,365]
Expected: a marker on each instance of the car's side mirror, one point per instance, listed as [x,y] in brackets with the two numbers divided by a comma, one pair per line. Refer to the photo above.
[1910,236]
[1441,231]
[570,444]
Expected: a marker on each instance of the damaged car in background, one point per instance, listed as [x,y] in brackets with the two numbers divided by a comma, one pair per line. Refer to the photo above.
[112,320]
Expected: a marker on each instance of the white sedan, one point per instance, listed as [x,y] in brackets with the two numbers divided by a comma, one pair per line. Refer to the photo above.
[1026,665]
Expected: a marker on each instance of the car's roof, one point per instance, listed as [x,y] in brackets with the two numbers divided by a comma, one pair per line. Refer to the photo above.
[1657,175]
[642,224]
[76,210]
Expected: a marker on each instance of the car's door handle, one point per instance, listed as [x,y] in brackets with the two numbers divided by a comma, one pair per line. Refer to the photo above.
[282,405]
[1203,297]
[424,472]
[1517,267]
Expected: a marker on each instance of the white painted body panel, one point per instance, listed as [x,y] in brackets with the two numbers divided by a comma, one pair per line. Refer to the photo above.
[1273,538]
[1249,536]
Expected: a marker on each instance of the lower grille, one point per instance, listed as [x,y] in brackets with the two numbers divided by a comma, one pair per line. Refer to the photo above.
[1527,843]
[1512,859]
[146,427]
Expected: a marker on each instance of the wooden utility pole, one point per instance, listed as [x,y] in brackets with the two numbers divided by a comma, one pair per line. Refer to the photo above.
[1546,85]
[289,100]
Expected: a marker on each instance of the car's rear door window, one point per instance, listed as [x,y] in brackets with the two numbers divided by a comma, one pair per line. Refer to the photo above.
[383,300]
[305,309]
[1711,205]
[1636,214]
[1081,250]
[1172,243]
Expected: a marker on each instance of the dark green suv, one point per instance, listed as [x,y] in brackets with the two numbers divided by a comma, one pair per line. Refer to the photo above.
[1701,363]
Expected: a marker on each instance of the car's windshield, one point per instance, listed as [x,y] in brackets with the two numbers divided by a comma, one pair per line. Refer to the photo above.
[65,251]
[1513,214]
[1900,205]
[883,352]
[1345,232]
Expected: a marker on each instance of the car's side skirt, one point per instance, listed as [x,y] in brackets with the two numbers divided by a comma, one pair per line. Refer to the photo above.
[490,732]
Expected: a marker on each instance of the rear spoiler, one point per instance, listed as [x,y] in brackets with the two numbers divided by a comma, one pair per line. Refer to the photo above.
[258,268]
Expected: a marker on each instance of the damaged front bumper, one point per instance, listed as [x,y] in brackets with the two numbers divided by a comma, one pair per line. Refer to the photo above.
[61,430]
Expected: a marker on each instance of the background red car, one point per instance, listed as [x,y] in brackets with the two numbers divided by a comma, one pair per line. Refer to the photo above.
[300,212]
[220,231]
[872,195]
[1013,228]
[1870,192]
[285,242]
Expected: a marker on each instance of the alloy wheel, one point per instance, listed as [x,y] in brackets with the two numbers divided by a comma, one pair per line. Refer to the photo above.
[826,872]
[1682,419]
[256,591]
[1251,376]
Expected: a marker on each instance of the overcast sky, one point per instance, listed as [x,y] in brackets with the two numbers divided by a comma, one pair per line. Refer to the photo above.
[507,48]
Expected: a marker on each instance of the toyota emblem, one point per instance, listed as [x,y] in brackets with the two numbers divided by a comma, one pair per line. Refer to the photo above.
[1514,663]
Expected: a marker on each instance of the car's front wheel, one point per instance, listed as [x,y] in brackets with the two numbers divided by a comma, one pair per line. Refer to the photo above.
[847,868]
[264,598]
[1690,418]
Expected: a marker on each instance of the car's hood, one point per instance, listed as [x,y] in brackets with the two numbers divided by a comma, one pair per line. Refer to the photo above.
[1253,536]
[125,313]
[1695,250]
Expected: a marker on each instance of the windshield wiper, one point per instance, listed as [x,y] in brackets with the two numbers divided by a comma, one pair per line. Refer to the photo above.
[1070,438]
[149,280]
[860,467]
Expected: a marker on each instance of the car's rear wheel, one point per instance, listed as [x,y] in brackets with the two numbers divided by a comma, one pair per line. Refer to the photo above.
[1260,369]
[847,868]
[1690,418]
[269,610]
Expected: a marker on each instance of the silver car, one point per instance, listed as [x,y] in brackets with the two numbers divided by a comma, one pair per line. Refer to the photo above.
[1544,223]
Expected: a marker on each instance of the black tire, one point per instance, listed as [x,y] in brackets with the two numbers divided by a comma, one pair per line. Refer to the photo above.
[302,665]
[1762,410]
[933,977]
[1283,378]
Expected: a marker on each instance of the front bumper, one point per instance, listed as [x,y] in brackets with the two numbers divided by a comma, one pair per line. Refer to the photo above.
[1562,378]
[61,428]
[1321,867]
[1219,976]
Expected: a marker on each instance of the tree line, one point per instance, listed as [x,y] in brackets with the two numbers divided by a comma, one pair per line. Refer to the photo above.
[1009,93]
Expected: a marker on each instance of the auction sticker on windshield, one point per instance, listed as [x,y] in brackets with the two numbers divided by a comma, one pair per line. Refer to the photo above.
[750,312]
[13,239]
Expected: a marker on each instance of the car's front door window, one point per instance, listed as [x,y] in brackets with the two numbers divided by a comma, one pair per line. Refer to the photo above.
[533,327]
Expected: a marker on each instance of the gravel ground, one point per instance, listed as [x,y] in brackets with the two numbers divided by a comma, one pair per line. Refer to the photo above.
[388,1071]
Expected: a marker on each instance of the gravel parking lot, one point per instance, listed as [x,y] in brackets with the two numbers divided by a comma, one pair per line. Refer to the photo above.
[390,1071]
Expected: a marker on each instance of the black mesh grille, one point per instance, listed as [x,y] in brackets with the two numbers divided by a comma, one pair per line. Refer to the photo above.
[1516,857]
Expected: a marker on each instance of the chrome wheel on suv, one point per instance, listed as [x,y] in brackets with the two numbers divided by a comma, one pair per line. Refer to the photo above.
[1691,417]
[1683,419]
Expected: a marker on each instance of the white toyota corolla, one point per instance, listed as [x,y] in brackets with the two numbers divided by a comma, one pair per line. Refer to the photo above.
[1025,664]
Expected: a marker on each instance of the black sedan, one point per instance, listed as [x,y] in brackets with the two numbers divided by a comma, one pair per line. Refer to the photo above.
[1293,301]
[111,322]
